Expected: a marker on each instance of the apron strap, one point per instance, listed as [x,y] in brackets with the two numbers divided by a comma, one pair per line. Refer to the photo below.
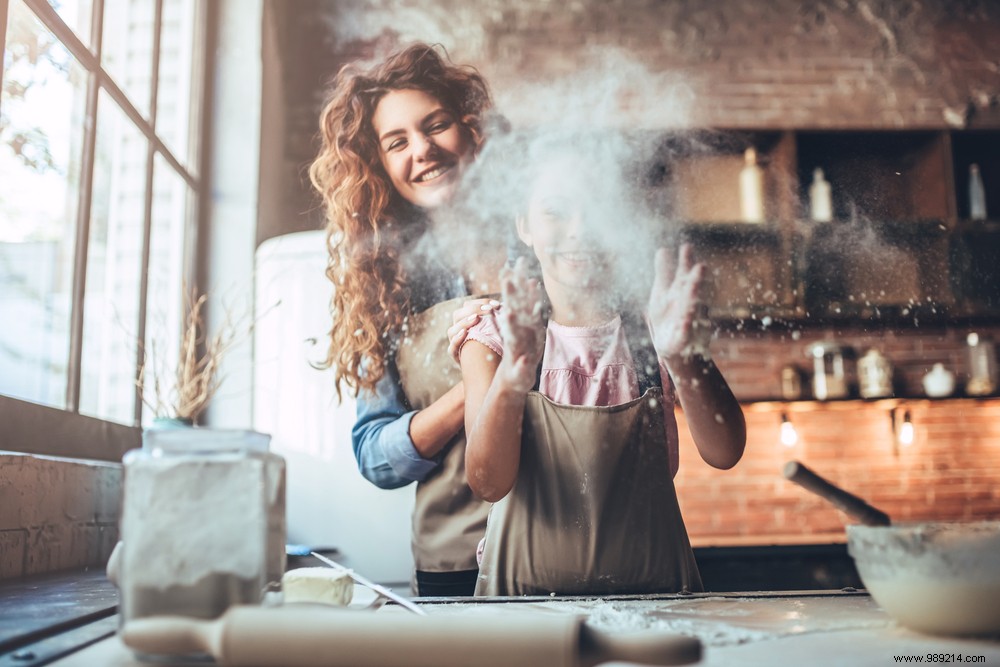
[644,357]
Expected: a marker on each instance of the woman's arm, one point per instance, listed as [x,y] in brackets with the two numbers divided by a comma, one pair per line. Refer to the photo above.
[496,387]
[681,337]
[395,446]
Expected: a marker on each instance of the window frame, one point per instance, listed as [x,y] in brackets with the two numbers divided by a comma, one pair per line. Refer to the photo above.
[38,429]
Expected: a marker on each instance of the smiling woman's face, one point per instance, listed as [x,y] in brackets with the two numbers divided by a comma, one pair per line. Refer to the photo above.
[423,147]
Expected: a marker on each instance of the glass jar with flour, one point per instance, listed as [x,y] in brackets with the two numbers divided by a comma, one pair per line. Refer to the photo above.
[203,522]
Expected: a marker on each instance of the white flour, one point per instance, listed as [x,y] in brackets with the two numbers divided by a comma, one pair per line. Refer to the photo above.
[197,532]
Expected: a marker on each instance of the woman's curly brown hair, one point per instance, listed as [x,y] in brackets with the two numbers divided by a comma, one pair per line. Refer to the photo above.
[371,298]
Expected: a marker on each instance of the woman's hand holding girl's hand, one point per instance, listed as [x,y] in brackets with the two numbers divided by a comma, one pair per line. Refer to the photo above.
[465,318]
[676,307]
[522,325]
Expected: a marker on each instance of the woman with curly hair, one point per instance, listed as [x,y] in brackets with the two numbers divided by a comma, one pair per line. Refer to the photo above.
[396,140]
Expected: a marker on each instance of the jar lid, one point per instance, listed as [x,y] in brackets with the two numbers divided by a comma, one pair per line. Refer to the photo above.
[203,440]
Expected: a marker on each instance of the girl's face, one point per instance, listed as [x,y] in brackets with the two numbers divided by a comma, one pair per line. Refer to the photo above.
[565,228]
[423,147]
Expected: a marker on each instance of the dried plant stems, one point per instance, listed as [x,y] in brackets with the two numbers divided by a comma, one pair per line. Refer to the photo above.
[196,376]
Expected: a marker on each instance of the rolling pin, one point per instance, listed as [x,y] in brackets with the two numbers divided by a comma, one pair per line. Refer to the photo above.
[312,636]
[844,501]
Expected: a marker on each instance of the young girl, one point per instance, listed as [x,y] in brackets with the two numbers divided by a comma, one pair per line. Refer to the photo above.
[570,432]
[396,140]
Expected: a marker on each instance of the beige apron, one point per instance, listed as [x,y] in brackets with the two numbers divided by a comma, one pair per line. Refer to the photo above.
[593,510]
[448,520]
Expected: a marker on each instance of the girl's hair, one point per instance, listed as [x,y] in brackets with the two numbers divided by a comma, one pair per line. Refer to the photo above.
[364,213]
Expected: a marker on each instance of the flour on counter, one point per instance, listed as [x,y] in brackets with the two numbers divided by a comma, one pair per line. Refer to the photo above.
[716,621]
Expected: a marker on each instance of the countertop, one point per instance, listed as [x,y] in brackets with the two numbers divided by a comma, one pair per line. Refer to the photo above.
[814,627]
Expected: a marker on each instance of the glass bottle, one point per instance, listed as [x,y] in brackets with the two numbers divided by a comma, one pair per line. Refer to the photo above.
[977,194]
[820,202]
[874,375]
[982,366]
[751,188]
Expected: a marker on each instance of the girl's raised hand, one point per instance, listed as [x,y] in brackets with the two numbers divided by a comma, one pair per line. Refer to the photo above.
[463,319]
[677,311]
[522,325]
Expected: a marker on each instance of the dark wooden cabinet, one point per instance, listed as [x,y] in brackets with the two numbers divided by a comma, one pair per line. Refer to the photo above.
[900,247]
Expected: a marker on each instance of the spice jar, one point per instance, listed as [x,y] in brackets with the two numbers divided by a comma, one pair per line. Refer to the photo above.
[874,375]
[982,366]
[830,375]
[203,522]
[791,383]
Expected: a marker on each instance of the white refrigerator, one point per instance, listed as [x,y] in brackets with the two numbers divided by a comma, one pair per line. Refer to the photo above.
[329,502]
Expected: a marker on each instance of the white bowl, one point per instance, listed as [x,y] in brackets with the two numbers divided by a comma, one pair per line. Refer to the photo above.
[941,578]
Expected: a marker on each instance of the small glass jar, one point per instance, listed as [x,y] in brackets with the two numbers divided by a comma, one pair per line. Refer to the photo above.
[791,383]
[203,522]
[874,375]
[982,366]
[830,372]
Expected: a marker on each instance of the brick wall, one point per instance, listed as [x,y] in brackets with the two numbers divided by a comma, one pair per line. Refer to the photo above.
[878,64]
[779,64]
[950,472]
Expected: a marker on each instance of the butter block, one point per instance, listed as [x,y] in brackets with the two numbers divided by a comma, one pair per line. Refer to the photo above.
[317,584]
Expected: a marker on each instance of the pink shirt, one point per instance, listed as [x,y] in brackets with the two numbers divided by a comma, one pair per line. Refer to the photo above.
[589,366]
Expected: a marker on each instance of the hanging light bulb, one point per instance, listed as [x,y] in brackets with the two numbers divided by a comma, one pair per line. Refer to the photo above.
[905,435]
[789,436]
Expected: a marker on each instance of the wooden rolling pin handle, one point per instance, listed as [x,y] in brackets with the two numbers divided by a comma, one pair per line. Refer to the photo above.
[846,502]
[648,648]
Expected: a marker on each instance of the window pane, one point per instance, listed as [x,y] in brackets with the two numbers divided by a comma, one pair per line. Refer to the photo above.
[171,211]
[127,48]
[76,14]
[41,132]
[114,264]
[174,100]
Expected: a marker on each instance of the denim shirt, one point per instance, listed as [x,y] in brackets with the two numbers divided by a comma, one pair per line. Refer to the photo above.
[381,435]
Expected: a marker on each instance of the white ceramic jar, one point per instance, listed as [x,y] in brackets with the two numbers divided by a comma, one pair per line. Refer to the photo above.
[939,382]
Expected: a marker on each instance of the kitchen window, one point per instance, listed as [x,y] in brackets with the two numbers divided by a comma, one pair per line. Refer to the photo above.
[99,194]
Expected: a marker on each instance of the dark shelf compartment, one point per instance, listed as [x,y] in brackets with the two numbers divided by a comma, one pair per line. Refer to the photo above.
[876,269]
[975,265]
[878,175]
[976,147]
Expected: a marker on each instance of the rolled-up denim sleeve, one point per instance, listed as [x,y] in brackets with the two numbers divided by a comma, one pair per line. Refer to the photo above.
[381,436]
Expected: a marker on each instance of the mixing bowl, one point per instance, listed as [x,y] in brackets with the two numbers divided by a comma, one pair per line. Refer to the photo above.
[941,578]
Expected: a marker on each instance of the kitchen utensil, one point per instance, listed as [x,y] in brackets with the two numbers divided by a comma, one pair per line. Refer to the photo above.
[844,501]
[310,636]
[381,590]
[941,578]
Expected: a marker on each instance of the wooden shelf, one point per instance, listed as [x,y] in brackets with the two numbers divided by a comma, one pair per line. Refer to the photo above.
[900,249]
[770,405]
